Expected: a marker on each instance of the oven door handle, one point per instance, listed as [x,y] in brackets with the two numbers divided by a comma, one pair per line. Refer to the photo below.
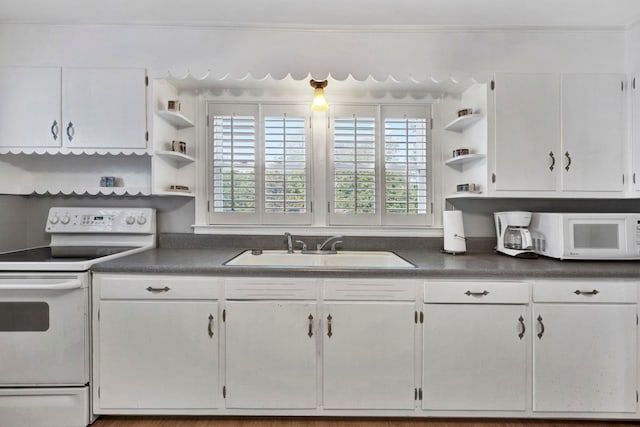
[64,286]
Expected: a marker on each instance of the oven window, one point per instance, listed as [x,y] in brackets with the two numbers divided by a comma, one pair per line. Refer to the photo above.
[24,316]
[595,236]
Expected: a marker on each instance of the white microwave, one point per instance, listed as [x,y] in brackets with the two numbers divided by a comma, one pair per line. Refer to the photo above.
[604,236]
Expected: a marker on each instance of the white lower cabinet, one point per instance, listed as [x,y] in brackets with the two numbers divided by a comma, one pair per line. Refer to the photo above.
[270,354]
[474,357]
[475,341]
[158,354]
[290,346]
[585,352]
[157,347]
[368,355]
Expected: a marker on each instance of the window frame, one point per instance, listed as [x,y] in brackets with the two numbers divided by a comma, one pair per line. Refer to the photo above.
[319,177]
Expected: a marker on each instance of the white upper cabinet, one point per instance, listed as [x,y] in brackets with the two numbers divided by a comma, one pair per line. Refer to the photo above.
[104,108]
[30,107]
[635,131]
[73,108]
[527,123]
[592,132]
[559,135]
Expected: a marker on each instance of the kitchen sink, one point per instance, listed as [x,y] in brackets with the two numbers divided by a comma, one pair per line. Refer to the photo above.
[342,259]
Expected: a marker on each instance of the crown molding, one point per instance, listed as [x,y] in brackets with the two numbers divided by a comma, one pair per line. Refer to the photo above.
[230,26]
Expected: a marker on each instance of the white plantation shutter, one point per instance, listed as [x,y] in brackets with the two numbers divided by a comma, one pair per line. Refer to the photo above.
[234,151]
[354,165]
[406,172]
[259,164]
[286,171]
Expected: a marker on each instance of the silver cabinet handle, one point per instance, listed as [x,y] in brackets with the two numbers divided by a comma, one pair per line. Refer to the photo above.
[329,332]
[568,156]
[553,161]
[476,294]
[310,333]
[54,130]
[593,292]
[210,326]
[524,328]
[165,289]
[541,333]
[70,131]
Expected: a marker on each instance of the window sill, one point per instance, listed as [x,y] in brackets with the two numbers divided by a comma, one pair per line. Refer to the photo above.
[319,231]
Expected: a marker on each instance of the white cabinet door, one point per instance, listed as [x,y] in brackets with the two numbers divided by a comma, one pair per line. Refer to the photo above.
[584,358]
[30,107]
[527,132]
[369,355]
[158,354]
[475,357]
[271,355]
[635,123]
[104,108]
[592,132]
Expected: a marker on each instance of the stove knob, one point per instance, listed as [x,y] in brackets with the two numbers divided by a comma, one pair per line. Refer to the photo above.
[53,220]
[65,220]
[130,220]
[142,219]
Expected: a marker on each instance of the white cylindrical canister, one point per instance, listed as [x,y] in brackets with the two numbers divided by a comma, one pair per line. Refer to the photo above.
[454,237]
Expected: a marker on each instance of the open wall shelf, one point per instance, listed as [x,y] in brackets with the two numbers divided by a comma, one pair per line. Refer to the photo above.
[462,123]
[176,120]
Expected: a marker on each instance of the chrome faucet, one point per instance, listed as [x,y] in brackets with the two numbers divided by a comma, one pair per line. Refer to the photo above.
[334,239]
[289,242]
[303,244]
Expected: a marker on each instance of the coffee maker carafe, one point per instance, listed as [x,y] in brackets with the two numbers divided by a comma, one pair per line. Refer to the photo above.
[513,234]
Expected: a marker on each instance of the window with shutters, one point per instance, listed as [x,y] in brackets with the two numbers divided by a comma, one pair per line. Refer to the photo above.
[376,172]
[406,160]
[380,165]
[259,164]
[286,164]
[354,172]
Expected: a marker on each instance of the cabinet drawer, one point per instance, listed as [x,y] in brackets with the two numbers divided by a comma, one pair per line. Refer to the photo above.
[157,287]
[476,292]
[585,291]
[370,290]
[270,288]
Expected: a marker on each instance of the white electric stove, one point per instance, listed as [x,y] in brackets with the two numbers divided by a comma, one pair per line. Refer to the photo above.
[44,313]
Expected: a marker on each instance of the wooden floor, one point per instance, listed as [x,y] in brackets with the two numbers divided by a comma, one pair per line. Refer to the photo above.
[334,422]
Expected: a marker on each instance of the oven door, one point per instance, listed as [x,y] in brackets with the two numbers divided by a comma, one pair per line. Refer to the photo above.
[43,329]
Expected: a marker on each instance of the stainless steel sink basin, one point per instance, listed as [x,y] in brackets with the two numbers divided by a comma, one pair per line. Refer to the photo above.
[342,259]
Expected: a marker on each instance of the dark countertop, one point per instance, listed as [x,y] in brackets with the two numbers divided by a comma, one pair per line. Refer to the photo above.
[429,261]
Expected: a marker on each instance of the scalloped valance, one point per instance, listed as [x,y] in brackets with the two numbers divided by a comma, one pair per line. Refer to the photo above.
[213,74]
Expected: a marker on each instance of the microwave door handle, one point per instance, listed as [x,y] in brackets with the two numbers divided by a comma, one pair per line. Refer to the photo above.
[71,284]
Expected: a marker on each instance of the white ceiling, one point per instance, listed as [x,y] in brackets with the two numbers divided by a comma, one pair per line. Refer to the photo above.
[492,13]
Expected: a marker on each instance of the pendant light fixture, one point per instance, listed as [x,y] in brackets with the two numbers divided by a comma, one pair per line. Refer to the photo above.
[319,100]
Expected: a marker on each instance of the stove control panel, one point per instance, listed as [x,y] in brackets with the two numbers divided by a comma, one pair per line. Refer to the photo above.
[101,220]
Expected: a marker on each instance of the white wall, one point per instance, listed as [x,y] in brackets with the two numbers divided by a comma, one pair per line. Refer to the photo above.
[13,222]
[300,51]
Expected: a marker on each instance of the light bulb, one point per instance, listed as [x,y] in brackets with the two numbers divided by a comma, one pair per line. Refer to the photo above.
[319,100]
